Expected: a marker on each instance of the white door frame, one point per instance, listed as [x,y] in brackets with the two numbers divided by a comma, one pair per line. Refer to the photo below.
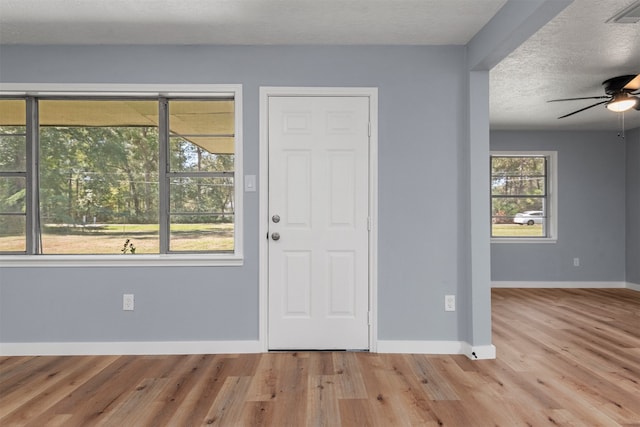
[263,279]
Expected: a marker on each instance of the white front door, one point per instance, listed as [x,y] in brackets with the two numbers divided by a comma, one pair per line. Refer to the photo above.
[318,222]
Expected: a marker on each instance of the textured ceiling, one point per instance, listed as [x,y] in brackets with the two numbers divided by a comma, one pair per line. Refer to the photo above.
[569,57]
[244,22]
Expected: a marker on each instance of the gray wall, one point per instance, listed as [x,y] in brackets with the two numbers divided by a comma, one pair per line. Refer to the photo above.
[591,210]
[633,206]
[422,154]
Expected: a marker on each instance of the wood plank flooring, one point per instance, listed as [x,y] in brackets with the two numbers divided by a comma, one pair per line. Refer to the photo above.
[566,357]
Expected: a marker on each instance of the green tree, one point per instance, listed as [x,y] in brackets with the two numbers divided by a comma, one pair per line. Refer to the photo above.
[105,172]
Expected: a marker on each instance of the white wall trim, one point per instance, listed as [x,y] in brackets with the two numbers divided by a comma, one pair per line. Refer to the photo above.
[263,272]
[562,285]
[437,347]
[634,286]
[117,89]
[128,348]
[479,352]
[222,347]
[140,260]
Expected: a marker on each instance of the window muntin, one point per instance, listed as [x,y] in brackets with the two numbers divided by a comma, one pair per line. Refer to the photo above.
[109,134]
[520,196]
[13,176]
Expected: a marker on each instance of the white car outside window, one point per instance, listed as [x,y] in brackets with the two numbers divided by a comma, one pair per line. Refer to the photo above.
[529,218]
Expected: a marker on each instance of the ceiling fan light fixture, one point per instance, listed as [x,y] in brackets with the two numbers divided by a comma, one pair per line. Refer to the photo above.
[621,102]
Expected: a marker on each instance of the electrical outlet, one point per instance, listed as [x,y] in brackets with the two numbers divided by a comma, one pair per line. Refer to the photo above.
[127,302]
[576,262]
[449,303]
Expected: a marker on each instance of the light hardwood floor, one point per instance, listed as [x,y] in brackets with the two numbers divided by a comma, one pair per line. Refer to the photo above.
[565,357]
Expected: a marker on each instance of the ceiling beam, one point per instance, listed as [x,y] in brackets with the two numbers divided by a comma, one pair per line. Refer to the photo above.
[514,23]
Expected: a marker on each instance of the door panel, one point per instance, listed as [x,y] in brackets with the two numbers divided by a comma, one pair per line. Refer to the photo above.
[297,283]
[342,181]
[342,284]
[319,191]
[298,188]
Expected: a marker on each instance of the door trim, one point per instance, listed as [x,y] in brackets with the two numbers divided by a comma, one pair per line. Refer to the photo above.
[263,250]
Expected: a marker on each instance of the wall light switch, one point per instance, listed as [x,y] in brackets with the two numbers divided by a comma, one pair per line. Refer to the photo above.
[249,183]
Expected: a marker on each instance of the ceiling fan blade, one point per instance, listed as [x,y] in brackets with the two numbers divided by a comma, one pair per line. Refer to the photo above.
[582,109]
[577,99]
[616,84]
[634,84]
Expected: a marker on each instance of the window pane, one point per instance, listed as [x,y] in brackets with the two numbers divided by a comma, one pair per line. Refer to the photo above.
[13,229]
[508,207]
[98,176]
[201,214]
[190,233]
[518,185]
[519,230]
[13,112]
[518,176]
[190,156]
[518,217]
[202,195]
[517,166]
[202,135]
[13,149]
[12,195]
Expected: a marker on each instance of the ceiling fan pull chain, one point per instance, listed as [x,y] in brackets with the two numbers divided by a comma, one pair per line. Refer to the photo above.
[622,133]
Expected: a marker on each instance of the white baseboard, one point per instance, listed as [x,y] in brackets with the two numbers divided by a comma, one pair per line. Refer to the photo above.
[634,286]
[577,285]
[437,347]
[480,352]
[128,348]
[222,347]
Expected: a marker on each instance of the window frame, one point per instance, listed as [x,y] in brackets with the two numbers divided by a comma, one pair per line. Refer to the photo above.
[551,202]
[144,91]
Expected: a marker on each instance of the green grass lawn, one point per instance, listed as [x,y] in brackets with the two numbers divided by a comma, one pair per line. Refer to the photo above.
[110,238]
[516,230]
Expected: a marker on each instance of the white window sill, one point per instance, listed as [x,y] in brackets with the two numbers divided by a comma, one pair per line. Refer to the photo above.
[523,240]
[168,260]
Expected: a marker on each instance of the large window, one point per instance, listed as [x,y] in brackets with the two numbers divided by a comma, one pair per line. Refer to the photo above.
[113,174]
[523,196]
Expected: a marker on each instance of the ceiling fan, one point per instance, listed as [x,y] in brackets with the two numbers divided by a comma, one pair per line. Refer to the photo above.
[620,95]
